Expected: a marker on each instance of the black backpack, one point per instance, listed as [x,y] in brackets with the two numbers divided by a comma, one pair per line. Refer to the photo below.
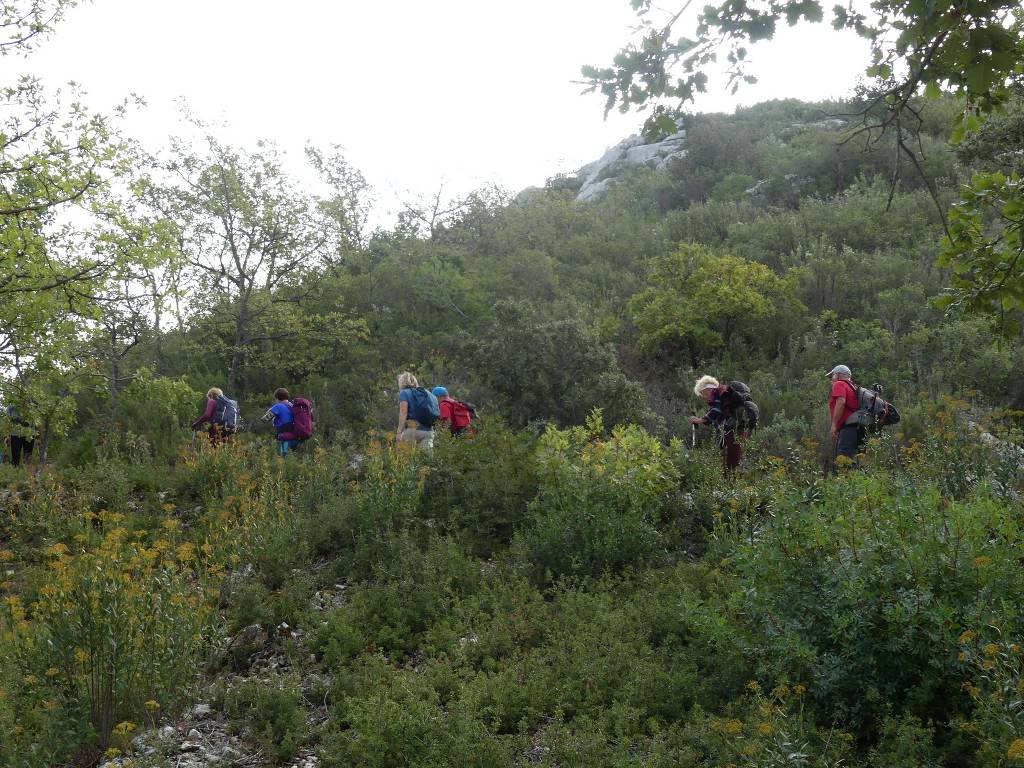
[740,409]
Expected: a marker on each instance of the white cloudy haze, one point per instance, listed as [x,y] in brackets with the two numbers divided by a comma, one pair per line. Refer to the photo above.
[457,91]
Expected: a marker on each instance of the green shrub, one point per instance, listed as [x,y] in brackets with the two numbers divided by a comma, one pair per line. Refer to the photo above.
[863,592]
[253,603]
[274,710]
[401,724]
[478,488]
[407,595]
[383,508]
[599,502]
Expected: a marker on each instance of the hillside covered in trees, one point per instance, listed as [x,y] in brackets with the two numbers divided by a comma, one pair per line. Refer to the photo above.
[776,245]
[577,584]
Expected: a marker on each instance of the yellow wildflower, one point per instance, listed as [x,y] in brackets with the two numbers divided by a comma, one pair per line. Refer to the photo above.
[982,560]
[152,705]
[972,690]
[991,649]
[1016,749]
[111,753]
[733,726]
[966,636]
[753,686]
[52,672]
[766,729]
[799,689]
[58,549]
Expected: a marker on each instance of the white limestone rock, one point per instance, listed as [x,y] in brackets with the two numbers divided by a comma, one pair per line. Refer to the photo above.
[597,177]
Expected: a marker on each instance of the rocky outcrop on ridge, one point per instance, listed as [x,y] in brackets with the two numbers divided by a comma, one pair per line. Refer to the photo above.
[634,152]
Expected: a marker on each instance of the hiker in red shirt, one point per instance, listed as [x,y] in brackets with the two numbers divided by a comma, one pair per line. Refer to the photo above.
[455,413]
[847,432]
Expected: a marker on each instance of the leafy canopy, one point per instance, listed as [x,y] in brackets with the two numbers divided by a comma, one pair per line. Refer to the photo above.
[972,49]
[705,301]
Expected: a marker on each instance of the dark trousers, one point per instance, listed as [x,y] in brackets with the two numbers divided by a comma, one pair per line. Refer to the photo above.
[732,451]
[220,434]
[850,441]
[20,446]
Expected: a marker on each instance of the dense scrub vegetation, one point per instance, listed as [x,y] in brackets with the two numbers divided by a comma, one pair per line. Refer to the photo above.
[579,597]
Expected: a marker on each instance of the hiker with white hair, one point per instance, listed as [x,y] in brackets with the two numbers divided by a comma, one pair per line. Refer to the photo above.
[848,433]
[732,411]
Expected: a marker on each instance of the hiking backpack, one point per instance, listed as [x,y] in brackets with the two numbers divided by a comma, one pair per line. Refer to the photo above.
[424,408]
[302,414]
[226,412]
[740,406]
[462,414]
[874,412]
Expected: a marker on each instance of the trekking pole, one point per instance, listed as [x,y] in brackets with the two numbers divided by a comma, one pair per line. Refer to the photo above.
[693,431]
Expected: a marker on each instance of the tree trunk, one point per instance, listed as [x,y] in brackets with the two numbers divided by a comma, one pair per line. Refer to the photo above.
[239,355]
[44,444]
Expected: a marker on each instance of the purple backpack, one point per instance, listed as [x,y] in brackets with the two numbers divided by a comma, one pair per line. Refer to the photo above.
[302,413]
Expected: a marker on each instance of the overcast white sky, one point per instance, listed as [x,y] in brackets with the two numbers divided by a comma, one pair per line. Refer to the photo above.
[465,92]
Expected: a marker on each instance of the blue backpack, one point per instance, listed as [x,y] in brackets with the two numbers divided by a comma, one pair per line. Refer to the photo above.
[424,408]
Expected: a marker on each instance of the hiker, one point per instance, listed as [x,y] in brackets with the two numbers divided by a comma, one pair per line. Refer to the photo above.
[221,414]
[284,421]
[731,412]
[848,433]
[20,444]
[418,409]
[455,413]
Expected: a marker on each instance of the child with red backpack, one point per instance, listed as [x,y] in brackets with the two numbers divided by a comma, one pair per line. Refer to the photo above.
[457,414]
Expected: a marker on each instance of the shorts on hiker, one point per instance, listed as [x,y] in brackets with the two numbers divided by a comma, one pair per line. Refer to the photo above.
[850,441]
[419,438]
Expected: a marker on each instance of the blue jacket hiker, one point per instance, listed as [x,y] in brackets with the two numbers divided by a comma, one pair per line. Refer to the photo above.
[281,413]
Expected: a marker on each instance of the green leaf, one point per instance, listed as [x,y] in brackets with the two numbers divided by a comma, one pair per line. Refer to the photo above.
[932,91]
[979,78]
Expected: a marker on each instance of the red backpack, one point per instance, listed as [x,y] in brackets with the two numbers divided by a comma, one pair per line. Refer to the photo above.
[462,414]
[302,413]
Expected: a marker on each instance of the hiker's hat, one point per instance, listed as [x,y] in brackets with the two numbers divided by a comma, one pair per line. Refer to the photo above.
[842,370]
[440,392]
